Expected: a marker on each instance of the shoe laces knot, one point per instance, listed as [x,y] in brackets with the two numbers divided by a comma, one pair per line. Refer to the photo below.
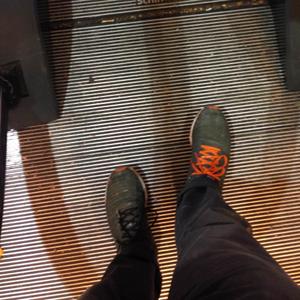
[210,162]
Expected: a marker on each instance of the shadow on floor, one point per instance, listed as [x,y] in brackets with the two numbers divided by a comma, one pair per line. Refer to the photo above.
[55,227]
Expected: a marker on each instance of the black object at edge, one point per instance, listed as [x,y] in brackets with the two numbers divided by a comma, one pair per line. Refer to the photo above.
[4,94]
[286,15]
[293,44]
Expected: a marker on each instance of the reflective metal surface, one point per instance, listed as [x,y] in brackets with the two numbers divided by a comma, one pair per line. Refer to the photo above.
[128,93]
[64,10]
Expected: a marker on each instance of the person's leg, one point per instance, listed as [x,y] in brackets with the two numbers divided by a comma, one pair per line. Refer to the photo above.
[130,276]
[218,257]
[134,273]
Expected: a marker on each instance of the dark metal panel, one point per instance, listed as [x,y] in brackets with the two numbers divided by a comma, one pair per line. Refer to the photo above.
[293,44]
[21,46]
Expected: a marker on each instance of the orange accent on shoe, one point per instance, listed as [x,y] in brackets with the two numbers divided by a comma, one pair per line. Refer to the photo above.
[209,161]
[213,107]
[120,169]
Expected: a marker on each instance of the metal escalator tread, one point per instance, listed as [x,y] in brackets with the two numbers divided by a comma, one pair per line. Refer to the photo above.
[75,9]
[128,93]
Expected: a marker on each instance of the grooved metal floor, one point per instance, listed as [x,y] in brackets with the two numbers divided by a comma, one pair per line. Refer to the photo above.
[64,10]
[128,93]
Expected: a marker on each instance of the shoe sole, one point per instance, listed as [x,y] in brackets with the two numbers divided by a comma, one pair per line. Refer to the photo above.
[142,182]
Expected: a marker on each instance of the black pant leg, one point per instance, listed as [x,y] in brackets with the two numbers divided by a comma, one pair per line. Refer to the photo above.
[218,257]
[132,275]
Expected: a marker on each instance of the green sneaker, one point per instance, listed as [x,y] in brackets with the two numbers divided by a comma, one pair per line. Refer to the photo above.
[210,141]
[126,197]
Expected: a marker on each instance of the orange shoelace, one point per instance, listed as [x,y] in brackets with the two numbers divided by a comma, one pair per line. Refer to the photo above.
[210,161]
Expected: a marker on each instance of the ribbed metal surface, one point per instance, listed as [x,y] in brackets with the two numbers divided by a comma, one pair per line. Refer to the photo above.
[128,94]
[62,10]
